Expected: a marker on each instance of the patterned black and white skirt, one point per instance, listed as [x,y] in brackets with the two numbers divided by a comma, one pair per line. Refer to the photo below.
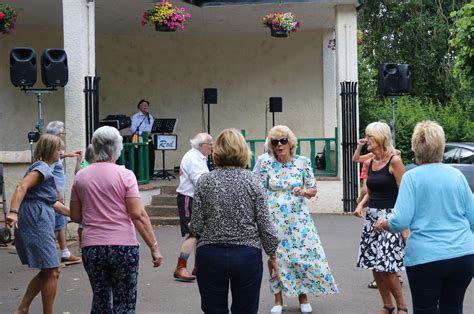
[380,251]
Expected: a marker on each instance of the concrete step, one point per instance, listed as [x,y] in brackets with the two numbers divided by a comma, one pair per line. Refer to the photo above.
[163,199]
[168,189]
[164,221]
[162,210]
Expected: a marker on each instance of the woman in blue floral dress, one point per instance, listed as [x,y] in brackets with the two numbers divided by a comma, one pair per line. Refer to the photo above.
[289,179]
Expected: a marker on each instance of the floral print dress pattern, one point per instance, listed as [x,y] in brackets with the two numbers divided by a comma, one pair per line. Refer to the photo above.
[303,267]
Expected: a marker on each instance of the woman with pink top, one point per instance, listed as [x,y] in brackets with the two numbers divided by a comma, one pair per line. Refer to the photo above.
[106,200]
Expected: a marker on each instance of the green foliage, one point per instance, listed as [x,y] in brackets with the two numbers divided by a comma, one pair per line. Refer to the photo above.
[411,110]
[463,43]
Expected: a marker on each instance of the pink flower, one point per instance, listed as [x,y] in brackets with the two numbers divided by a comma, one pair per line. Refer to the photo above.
[2,15]
[143,23]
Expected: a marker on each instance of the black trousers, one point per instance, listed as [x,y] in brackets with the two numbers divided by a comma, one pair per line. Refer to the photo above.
[439,287]
[237,266]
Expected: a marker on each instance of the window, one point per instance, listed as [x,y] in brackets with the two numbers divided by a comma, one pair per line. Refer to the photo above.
[466,156]
[449,155]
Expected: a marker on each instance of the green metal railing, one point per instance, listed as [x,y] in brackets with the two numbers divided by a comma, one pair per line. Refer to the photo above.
[329,170]
[129,150]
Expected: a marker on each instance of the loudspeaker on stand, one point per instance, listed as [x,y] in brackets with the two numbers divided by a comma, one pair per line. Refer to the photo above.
[23,66]
[54,67]
[210,95]
[276,104]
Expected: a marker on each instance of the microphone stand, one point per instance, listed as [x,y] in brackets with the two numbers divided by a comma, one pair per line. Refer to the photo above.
[137,131]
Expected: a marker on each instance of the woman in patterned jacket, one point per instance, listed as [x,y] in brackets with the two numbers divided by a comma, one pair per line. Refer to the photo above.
[232,224]
[302,263]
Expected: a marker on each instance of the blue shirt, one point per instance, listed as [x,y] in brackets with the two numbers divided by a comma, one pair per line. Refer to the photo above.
[59,177]
[437,205]
[145,126]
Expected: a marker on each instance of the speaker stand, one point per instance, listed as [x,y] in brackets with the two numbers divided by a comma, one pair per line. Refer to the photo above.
[208,118]
[273,118]
[163,174]
[393,100]
[38,92]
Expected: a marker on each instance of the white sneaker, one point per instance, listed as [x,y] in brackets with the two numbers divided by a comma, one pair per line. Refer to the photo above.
[277,309]
[306,308]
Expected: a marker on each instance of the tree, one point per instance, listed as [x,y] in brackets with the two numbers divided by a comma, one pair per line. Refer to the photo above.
[415,32]
[418,33]
[463,43]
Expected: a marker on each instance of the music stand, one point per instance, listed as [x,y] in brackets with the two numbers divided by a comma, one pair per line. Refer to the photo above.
[164,126]
[165,142]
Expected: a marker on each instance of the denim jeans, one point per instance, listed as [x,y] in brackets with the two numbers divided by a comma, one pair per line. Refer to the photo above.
[218,266]
[439,287]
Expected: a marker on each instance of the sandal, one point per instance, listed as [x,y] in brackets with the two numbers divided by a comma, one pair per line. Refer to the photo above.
[389,309]
[372,285]
[403,309]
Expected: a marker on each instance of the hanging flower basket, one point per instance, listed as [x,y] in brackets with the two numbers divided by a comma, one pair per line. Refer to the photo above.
[278,32]
[165,17]
[163,28]
[7,19]
[281,24]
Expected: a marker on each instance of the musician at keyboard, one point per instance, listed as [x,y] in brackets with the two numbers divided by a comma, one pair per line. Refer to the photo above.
[142,121]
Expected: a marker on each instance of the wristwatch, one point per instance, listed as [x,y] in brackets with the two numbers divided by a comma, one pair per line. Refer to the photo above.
[15,211]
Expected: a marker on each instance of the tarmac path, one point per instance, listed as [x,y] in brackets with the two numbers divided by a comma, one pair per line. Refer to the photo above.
[158,292]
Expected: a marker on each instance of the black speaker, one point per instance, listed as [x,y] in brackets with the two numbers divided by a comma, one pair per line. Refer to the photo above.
[276,104]
[23,66]
[404,71]
[394,79]
[54,69]
[210,95]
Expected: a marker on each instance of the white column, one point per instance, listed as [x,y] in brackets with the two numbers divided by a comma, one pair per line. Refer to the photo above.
[76,44]
[329,85]
[346,56]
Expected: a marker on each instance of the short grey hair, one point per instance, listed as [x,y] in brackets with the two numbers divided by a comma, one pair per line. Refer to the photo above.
[199,139]
[55,127]
[107,144]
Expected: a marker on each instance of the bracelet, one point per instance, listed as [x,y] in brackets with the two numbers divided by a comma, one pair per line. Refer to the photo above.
[154,245]
[15,211]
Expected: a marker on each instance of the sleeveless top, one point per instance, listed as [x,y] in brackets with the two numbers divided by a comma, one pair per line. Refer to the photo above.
[383,187]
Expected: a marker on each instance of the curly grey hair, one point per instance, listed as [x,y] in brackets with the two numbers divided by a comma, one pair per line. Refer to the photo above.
[55,127]
[107,144]
[199,139]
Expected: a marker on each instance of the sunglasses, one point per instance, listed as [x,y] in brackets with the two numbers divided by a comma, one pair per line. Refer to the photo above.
[282,141]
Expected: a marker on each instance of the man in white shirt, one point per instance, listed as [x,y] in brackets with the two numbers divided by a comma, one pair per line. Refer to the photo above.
[142,121]
[193,165]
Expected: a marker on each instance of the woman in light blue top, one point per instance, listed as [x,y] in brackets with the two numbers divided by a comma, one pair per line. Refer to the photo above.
[436,203]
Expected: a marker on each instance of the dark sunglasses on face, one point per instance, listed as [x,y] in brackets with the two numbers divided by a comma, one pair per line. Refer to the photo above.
[282,141]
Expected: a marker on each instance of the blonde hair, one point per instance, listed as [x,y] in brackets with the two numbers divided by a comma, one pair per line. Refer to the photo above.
[382,134]
[47,146]
[428,142]
[278,132]
[230,149]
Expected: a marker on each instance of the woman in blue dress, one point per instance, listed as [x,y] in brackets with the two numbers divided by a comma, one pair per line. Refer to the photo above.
[302,263]
[32,212]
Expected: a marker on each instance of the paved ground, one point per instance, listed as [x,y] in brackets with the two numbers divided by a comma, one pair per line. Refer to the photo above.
[159,293]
